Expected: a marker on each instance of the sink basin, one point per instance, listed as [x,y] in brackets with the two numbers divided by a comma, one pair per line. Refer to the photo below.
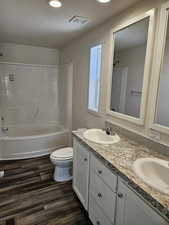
[154,172]
[100,137]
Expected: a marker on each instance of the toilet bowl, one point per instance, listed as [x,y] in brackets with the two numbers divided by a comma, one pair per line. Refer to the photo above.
[62,159]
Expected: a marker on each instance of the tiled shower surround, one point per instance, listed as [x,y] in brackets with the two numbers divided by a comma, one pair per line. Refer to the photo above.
[30,94]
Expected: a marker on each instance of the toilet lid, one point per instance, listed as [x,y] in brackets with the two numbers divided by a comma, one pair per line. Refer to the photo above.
[63,153]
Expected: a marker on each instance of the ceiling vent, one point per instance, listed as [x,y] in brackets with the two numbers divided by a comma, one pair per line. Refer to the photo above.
[78,20]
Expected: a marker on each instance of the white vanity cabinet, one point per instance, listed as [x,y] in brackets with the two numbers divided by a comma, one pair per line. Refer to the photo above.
[132,210]
[106,196]
[81,172]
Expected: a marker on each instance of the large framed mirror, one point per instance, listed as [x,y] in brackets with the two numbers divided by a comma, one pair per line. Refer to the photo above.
[160,88]
[129,68]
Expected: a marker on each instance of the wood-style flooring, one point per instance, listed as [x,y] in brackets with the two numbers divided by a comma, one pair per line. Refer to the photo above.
[29,196]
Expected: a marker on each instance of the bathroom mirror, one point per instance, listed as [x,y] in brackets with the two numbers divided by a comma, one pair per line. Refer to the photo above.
[131,46]
[162,113]
[161,74]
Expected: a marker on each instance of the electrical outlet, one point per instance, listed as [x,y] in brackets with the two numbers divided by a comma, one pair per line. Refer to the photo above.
[2,173]
[155,135]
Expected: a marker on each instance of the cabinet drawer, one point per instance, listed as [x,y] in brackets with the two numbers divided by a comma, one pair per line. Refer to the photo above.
[96,214]
[104,173]
[103,195]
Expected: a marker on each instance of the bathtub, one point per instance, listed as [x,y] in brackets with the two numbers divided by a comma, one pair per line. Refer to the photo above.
[30,142]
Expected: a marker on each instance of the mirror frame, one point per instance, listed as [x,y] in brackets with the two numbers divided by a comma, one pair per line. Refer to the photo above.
[147,66]
[157,65]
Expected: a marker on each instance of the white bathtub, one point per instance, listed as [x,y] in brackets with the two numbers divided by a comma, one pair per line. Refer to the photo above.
[30,142]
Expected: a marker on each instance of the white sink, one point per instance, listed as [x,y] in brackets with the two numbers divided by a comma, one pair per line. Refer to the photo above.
[154,172]
[100,137]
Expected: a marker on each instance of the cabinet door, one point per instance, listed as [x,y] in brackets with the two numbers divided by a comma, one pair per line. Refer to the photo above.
[96,214]
[132,210]
[81,172]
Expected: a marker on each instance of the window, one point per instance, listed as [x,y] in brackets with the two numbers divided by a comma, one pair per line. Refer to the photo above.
[95,78]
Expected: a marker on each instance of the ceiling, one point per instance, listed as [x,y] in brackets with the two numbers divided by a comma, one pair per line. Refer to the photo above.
[132,36]
[33,22]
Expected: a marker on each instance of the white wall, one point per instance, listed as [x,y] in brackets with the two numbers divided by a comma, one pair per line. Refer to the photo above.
[78,53]
[65,91]
[28,54]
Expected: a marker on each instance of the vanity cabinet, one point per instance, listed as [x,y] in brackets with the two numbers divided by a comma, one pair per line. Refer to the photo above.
[106,196]
[132,210]
[81,172]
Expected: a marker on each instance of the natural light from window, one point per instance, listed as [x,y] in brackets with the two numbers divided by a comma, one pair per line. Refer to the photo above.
[95,78]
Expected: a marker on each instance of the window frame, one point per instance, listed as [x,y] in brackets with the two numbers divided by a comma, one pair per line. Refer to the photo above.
[93,112]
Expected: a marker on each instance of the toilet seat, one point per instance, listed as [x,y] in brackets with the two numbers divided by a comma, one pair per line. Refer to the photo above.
[62,154]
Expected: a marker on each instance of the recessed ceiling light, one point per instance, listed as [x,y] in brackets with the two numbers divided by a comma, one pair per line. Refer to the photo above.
[55,3]
[103,1]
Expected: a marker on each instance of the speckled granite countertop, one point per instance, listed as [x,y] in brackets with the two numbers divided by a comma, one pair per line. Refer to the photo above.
[120,157]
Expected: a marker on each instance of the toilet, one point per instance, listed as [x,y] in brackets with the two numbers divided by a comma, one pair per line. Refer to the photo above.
[62,159]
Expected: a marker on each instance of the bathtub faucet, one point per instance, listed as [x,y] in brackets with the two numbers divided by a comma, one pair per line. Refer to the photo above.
[4,129]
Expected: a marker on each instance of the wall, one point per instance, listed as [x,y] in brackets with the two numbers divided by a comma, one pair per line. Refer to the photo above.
[78,53]
[28,54]
[65,91]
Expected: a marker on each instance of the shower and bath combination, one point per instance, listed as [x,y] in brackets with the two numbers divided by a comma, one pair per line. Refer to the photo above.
[34,117]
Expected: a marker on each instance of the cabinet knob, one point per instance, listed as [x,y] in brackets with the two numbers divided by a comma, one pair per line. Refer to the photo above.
[120,195]
[85,159]
[99,195]
[100,171]
[98,223]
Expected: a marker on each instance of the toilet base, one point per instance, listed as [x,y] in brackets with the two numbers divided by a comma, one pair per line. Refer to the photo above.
[62,174]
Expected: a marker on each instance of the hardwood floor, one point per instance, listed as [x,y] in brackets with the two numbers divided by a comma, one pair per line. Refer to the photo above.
[29,196]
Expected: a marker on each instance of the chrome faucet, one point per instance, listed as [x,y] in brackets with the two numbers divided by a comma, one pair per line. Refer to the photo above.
[109,131]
